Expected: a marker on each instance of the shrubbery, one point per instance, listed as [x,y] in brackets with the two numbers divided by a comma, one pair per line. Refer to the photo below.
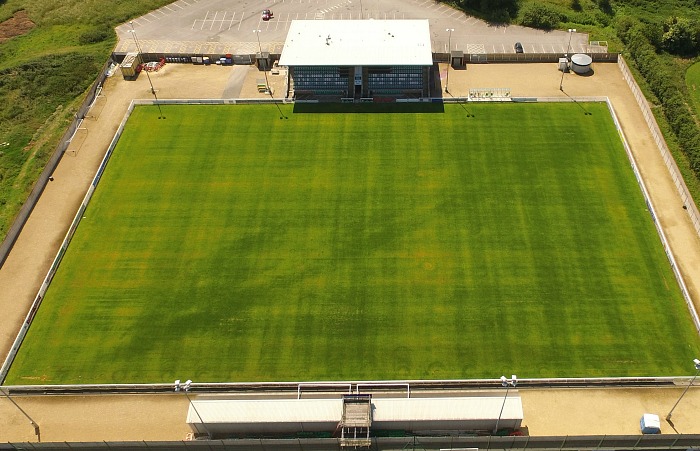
[540,15]
[94,35]
[666,86]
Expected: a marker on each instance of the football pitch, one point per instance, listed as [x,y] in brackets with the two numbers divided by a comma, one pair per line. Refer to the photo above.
[227,244]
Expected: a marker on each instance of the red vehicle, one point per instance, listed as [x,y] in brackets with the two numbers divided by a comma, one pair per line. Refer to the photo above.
[267,14]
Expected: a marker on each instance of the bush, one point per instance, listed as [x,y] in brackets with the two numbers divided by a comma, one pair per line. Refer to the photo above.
[666,86]
[94,36]
[540,15]
[679,36]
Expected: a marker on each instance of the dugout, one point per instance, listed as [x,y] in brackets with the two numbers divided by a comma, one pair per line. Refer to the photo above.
[276,417]
[359,58]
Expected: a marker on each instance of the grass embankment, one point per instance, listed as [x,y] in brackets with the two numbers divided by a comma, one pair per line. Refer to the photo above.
[43,76]
[692,81]
[362,246]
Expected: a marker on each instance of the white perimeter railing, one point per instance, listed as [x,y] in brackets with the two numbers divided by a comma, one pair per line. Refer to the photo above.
[682,188]
[650,121]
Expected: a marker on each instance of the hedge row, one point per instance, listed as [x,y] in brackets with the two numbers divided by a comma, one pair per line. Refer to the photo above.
[668,88]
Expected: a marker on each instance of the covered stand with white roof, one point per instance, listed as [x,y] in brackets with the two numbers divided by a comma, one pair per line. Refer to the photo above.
[359,58]
[226,418]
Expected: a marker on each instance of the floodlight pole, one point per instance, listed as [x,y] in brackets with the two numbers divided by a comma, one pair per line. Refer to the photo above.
[696,362]
[566,55]
[449,56]
[33,423]
[507,383]
[153,91]
[267,83]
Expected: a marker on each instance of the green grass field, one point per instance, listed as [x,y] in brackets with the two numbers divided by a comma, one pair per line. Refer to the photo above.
[225,244]
[692,80]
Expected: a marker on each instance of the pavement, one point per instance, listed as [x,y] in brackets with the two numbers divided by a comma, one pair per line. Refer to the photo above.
[162,417]
[227,26]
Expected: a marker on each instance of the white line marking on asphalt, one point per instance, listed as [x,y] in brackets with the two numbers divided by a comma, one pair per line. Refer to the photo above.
[205,19]
[231,23]
[239,23]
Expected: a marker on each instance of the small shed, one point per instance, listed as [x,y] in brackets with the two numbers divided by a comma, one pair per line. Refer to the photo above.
[456,58]
[650,424]
[564,64]
[131,66]
[581,63]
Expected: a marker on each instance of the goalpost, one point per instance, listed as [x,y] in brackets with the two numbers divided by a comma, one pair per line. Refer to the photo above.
[97,104]
[77,139]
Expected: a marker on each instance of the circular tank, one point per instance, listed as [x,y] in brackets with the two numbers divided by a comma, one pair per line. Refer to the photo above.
[581,63]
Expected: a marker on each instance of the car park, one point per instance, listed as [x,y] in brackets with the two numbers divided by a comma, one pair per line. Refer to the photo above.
[267,14]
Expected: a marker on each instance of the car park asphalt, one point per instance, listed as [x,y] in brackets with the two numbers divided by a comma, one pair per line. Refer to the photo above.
[227,26]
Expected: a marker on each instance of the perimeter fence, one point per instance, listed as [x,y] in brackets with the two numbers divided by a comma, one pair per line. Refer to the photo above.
[690,442]
[688,202]
[26,210]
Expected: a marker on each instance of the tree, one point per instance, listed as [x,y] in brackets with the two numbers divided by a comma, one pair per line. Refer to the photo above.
[679,36]
[540,15]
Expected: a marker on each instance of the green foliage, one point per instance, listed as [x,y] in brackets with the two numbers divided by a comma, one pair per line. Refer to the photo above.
[495,10]
[669,88]
[322,253]
[94,35]
[540,15]
[692,80]
[679,36]
[41,76]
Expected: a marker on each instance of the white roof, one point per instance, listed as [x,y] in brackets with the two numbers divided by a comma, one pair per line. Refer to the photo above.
[445,409]
[331,410]
[357,43]
[265,410]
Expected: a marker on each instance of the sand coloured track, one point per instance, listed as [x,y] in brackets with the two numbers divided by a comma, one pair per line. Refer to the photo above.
[161,417]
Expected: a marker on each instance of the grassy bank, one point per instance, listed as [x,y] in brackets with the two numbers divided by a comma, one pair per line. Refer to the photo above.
[43,76]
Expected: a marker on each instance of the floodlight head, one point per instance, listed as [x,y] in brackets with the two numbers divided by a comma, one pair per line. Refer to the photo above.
[504,381]
[188,383]
[177,385]
[514,380]
[697,364]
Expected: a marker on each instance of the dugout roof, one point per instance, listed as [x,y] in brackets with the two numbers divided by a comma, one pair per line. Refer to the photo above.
[357,43]
[250,411]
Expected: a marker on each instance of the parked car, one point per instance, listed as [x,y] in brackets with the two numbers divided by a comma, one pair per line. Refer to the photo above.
[518,48]
[267,14]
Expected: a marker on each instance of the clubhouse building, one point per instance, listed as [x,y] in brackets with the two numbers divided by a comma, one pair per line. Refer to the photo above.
[359,58]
